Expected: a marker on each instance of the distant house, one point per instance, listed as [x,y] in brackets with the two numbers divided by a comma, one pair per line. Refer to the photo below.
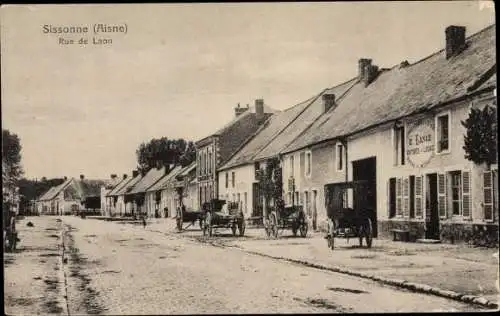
[137,193]
[214,150]
[121,205]
[160,199]
[110,184]
[187,187]
[70,197]
[115,204]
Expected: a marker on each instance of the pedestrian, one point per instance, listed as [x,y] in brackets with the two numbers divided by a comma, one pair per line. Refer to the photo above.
[144,221]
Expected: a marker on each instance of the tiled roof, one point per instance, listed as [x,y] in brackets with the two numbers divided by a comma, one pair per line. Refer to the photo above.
[128,186]
[302,122]
[80,189]
[149,179]
[54,191]
[265,134]
[112,183]
[117,188]
[162,182]
[399,92]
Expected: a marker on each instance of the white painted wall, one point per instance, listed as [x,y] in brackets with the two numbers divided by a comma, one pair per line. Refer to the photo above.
[244,179]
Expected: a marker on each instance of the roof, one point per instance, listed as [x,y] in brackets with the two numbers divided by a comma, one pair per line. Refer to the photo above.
[399,92]
[267,132]
[55,190]
[120,185]
[314,110]
[113,182]
[128,186]
[161,183]
[245,116]
[184,173]
[150,178]
[80,189]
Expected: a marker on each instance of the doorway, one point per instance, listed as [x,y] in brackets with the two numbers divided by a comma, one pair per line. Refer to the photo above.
[431,208]
[366,169]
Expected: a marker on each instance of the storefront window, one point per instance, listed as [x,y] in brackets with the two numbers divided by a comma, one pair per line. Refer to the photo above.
[456,192]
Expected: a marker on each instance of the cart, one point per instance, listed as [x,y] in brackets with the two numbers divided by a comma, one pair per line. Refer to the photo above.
[184,216]
[281,218]
[215,219]
[348,213]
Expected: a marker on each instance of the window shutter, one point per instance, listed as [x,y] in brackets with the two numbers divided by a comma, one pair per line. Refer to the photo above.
[419,192]
[488,195]
[406,197]
[398,197]
[442,200]
[466,199]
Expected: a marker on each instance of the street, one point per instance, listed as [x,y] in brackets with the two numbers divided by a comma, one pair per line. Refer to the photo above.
[112,268]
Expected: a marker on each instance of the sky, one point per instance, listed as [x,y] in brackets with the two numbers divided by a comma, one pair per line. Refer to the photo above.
[180,69]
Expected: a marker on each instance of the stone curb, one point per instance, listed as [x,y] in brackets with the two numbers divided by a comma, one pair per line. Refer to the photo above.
[63,300]
[415,287]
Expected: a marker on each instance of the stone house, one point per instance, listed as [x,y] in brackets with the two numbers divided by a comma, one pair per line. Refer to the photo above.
[137,193]
[214,150]
[106,201]
[160,197]
[400,129]
[122,204]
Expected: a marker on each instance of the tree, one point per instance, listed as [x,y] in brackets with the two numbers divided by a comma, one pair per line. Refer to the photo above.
[480,140]
[31,189]
[11,156]
[271,182]
[164,151]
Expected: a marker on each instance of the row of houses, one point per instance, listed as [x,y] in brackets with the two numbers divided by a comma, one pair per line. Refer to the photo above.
[398,128]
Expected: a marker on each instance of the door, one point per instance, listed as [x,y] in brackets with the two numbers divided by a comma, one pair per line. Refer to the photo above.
[315,211]
[392,197]
[431,208]
[366,169]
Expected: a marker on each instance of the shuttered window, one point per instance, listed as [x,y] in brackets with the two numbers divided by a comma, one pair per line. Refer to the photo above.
[399,197]
[442,195]
[419,192]
[466,195]
[406,197]
[488,195]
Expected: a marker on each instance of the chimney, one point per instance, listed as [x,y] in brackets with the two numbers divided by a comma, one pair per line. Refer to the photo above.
[135,173]
[328,101]
[82,177]
[65,178]
[259,108]
[362,63]
[367,71]
[239,110]
[124,176]
[113,176]
[455,40]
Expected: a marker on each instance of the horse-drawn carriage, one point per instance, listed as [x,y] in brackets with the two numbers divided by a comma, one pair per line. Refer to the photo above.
[349,214]
[291,217]
[185,216]
[215,218]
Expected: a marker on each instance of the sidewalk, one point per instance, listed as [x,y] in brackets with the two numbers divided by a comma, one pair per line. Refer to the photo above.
[458,268]
[34,278]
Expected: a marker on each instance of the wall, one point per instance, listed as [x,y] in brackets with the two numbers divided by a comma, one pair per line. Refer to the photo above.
[244,179]
[379,143]
[323,171]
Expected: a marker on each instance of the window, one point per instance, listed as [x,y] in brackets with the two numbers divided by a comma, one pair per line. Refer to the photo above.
[490,192]
[209,162]
[340,157]
[456,192]
[308,163]
[392,197]
[419,193]
[238,197]
[443,133]
[412,196]
[289,198]
[296,198]
[227,180]
[399,146]
[257,169]
[232,179]
[291,166]
[399,197]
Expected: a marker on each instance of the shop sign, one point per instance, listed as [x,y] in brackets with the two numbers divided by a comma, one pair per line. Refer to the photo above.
[420,142]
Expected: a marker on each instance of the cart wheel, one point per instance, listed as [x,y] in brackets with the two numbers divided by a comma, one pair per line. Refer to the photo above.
[331,235]
[233,229]
[208,223]
[369,233]
[303,229]
[179,219]
[274,225]
[241,227]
